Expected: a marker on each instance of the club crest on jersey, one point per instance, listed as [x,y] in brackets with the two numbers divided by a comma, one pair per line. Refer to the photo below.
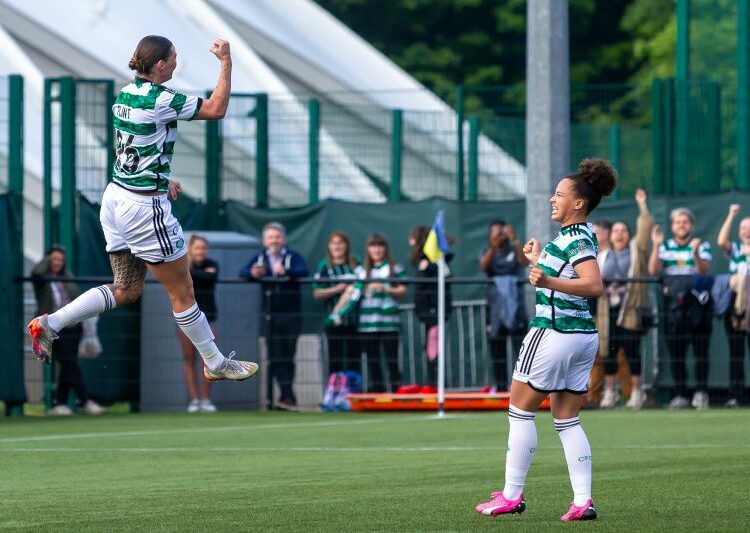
[179,243]
[583,246]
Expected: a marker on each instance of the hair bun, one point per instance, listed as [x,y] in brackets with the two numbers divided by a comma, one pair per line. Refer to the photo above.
[600,174]
[136,64]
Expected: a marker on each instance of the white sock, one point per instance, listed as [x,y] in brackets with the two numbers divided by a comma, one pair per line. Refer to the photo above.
[521,450]
[91,303]
[194,325]
[578,457]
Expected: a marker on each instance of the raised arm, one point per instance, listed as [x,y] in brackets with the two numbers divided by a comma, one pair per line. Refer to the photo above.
[643,223]
[215,107]
[517,247]
[723,238]
[657,238]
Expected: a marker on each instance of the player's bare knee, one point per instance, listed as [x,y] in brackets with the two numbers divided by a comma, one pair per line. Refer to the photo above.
[127,295]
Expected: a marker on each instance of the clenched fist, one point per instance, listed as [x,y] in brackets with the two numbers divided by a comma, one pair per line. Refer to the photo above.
[537,277]
[220,48]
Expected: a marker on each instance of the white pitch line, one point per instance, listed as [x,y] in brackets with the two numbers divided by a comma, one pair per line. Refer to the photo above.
[246,427]
[365,449]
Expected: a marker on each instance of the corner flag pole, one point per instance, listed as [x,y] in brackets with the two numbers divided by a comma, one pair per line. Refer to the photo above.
[441,337]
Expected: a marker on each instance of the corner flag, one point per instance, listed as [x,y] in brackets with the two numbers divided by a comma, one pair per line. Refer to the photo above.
[436,244]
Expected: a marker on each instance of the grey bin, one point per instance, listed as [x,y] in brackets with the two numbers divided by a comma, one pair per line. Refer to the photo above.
[239,306]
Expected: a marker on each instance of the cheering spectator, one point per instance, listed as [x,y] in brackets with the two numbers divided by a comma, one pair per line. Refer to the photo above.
[626,304]
[502,261]
[685,261]
[735,318]
[282,306]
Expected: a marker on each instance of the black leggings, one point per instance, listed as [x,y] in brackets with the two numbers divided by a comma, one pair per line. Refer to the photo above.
[499,354]
[629,341]
[379,346]
[343,348]
[737,340]
[678,338]
[66,354]
[281,337]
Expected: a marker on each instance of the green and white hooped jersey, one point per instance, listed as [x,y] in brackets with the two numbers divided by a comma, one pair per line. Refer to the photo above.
[678,259]
[379,311]
[559,311]
[738,262]
[145,119]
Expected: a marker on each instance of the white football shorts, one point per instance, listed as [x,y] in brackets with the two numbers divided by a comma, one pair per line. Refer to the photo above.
[142,224]
[550,361]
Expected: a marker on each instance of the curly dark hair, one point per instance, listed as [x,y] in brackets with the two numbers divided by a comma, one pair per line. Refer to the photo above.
[595,178]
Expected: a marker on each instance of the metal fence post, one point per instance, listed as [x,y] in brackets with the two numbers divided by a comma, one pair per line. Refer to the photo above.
[261,150]
[313,107]
[669,136]
[47,168]
[15,188]
[473,158]
[713,155]
[743,96]
[682,153]
[49,98]
[68,168]
[15,134]
[614,151]
[460,97]
[683,39]
[657,135]
[212,178]
[682,99]
[396,140]
[109,87]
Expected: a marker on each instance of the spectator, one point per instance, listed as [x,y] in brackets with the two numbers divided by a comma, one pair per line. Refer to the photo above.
[735,320]
[426,298]
[51,296]
[684,260]
[341,338]
[502,261]
[380,317]
[626,304]
[204,273]
[282,307]
[602,229]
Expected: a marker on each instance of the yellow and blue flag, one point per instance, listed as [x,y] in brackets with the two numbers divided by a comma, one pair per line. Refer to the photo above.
[437,243]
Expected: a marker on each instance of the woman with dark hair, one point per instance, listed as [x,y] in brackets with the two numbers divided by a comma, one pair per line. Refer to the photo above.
[204,272]
[626,304]
[379,314]
[51,296]
[136,215]
[559,350]
[426,298]
[341,337]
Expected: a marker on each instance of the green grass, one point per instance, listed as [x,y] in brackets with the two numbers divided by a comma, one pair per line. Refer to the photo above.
[653,471]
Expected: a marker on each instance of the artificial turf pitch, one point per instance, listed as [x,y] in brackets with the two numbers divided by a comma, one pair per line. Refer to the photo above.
[653,471]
